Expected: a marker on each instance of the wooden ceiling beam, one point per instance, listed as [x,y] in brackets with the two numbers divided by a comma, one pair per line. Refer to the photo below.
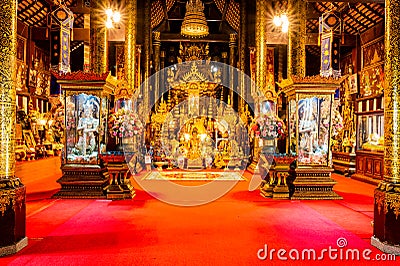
[224,14]
[48,3]
[80,8]
[30,5]
[164,7]
[35,19]
[312,12]
[363,15]
[356,30]
[373,11]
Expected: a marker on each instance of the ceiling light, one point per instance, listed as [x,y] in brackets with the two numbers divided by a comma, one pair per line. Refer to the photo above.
[282,21]
[194,24]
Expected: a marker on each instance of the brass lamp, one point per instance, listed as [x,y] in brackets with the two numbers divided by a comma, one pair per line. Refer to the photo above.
[194,24]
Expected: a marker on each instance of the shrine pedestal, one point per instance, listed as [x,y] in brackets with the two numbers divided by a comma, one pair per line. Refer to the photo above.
[344,162]
[195,164]
[267,188]
[83,181]
[281,190]
[12,217]
[120,185]
[314,184]
[275,184]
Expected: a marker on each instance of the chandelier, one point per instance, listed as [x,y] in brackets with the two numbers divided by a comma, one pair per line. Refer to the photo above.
[194,24]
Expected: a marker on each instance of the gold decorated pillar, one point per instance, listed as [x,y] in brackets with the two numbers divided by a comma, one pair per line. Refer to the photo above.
[12,192]
[156,59]
[156,50]
[265,57]
[297,38]
[232,62]
[280,62]
[98,37]
[387,195]
[242,49]
[138,79]
[130,45]
[147,53]
[86,45]
[261,43]
[232,49]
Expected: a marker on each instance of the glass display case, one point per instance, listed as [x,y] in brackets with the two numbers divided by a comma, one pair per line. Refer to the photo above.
[370,132]
[309,113]
[370,138]
[84,172]
[292,127]
[312,121]
[82,121]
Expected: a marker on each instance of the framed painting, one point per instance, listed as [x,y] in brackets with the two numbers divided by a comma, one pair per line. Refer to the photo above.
[29,139]
[373,52]
[353,84]
[32,78]
[21,44]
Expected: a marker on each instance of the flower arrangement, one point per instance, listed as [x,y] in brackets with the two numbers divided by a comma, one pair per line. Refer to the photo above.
[337,121]
[124,123]
[269,127]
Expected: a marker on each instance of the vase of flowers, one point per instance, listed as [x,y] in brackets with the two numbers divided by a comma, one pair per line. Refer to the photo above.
[124,124]
[269,127]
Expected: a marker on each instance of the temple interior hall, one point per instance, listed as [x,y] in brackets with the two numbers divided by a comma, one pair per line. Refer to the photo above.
[199,132]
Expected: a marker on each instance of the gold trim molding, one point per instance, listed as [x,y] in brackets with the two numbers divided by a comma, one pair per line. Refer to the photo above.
[12,193]
[386,201]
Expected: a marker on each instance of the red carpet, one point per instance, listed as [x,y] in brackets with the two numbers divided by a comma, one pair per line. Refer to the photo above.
[39,177]
[229,231]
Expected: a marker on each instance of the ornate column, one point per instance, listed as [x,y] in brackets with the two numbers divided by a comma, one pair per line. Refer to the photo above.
[130,45]
[297,38]
[232,49]
[86,45]
[225,78]
[156,59]
[147,52]
[261,42]
[387,195]
[98,37]
[162,61]
[12,191]
[232,62]
[156,50]
[280,62]
[242,47]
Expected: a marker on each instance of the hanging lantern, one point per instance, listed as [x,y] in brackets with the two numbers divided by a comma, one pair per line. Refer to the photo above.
[330,30]
[194,23]
[62,20]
